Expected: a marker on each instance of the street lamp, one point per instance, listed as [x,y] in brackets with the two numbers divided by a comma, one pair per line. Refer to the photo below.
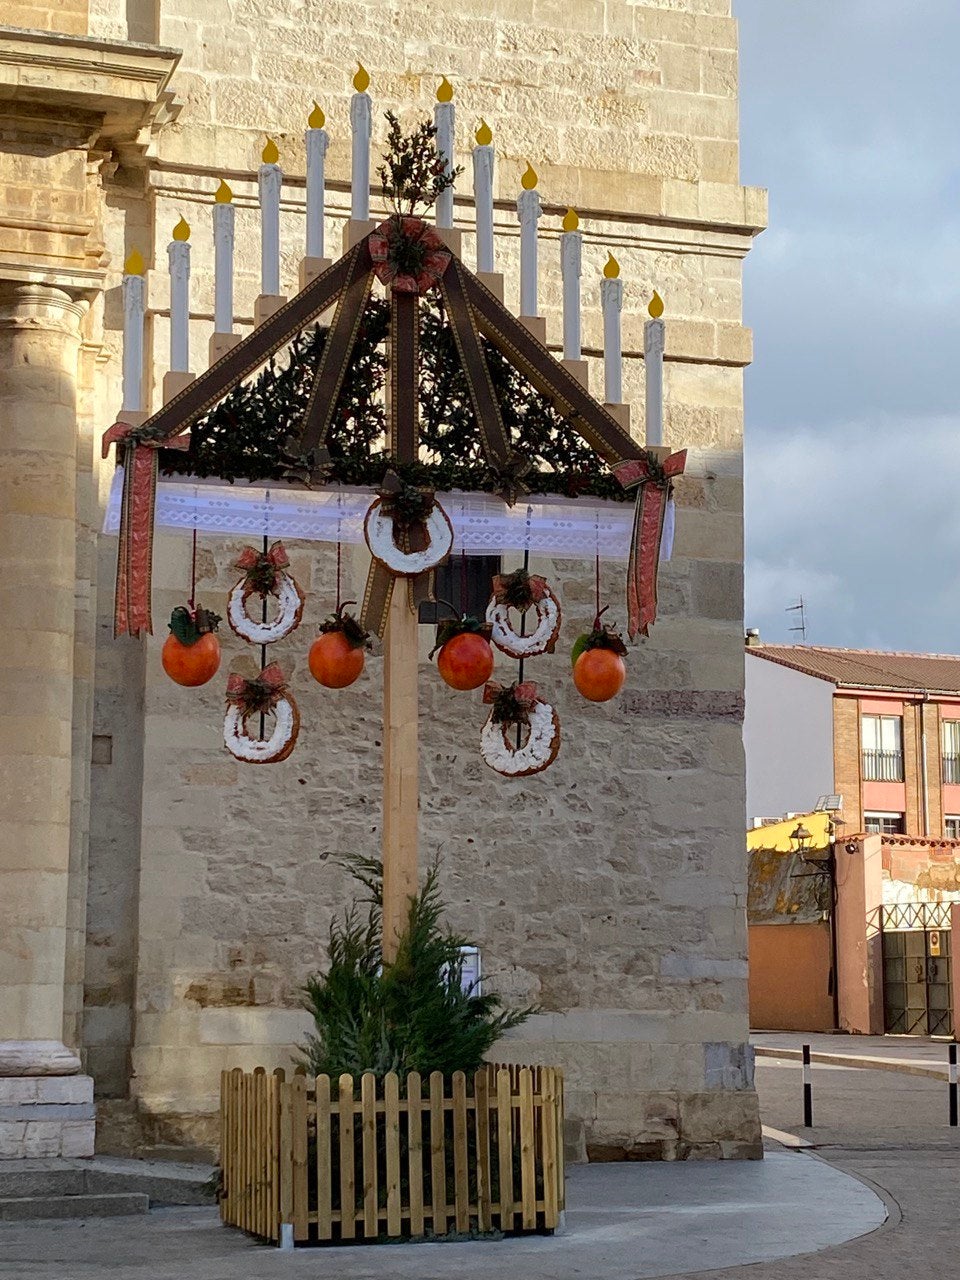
[801,837]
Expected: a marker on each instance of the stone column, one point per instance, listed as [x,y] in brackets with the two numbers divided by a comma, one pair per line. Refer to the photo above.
[39,349]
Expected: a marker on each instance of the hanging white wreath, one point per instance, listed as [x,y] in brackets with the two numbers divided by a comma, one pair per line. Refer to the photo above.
[268,694]
[379,531]
[498,737]
[264,574]
[523,591]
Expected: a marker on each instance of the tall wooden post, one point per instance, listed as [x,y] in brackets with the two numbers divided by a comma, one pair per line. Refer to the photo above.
[401,797]
[400,768]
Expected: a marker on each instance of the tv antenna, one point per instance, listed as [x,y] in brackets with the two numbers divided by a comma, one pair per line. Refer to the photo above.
[802,627]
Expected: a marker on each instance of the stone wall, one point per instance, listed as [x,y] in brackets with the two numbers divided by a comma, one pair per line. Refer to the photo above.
[615,900]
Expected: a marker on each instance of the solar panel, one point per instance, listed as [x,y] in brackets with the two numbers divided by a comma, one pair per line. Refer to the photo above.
[829,804]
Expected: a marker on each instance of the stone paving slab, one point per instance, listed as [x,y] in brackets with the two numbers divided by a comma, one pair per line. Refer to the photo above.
[625,1222]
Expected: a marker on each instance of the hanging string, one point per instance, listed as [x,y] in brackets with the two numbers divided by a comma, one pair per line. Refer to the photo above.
[192,602]
[598,587]
[523,629]
[339,559]
[263,647]
[463,583]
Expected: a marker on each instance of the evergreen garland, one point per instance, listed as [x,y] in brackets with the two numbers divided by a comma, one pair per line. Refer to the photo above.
[244,436]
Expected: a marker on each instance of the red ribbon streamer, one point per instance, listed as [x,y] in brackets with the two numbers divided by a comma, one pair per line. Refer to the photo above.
[132,614]
[642,568]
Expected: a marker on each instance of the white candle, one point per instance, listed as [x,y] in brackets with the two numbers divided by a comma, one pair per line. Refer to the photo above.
[443,119]
[133,308]
[529,212]
[178,258]
[223,234]
[360,114]
[269,181]
[483,195]
[611,300]
[317,143]
[571,254]
[654,334]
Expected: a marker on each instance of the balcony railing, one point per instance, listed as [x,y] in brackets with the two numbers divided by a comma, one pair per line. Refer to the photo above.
[951,768]
[882,766]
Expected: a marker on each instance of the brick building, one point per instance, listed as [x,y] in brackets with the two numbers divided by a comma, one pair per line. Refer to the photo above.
[882,730]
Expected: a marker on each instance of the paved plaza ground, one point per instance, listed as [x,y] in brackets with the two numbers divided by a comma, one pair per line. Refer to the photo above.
[873,1198]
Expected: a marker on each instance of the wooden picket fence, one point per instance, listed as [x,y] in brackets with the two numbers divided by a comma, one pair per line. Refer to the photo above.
[346,1160]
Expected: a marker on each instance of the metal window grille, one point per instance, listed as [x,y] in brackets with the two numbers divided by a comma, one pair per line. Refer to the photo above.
[882,766]
[884,824]
[951,827]
[906,916]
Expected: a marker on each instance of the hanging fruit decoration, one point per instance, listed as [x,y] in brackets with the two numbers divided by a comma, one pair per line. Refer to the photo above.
[191,652]
[337,655]
[598,666]
[521,590]
[464,655]
[264,574]
[514,708]
[267,695]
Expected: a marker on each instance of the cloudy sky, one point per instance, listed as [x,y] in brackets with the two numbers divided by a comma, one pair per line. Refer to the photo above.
[849,117]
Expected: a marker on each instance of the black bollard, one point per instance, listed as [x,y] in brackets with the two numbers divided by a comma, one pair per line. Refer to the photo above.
[807,1089]
[952,1050]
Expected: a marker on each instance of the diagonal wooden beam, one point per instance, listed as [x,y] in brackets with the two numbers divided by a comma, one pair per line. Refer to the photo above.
[404,376]
[496,442]
[513,340]
[266,339]
[338,348]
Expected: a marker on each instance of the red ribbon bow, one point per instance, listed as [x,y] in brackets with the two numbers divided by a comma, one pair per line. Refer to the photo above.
[261,694]
[653,494]
[138,457]
[250,557]
[536,585]
[512,703]
[423,246]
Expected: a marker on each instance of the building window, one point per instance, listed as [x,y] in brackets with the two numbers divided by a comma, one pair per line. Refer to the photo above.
[950,750]
[884,824]
[881,742]
[465,582]
[951,826]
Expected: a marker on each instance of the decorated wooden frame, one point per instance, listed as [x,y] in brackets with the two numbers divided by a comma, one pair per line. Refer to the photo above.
[474,314]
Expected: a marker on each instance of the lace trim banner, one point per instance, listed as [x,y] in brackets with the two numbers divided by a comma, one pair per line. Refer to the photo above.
[483,525]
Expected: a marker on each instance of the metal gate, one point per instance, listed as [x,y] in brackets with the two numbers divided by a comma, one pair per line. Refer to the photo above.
[916,969]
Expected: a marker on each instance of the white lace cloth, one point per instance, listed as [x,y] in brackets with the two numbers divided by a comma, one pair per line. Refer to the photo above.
[483,524]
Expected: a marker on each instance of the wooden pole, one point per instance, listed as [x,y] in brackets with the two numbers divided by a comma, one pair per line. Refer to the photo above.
[401,796]
[400,768]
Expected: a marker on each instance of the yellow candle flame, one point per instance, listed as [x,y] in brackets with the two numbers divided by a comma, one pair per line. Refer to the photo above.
[182,230]
[570,220]
[444,90]
[316,119]
[656,306]
[361,81]
[224,195]
[134,265]
[484,134]
[270,153]
[612,268]
[529,179]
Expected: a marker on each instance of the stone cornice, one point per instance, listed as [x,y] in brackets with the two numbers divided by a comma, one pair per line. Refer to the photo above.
[124,84]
